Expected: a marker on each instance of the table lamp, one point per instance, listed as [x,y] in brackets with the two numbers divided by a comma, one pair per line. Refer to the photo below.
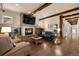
[6,30]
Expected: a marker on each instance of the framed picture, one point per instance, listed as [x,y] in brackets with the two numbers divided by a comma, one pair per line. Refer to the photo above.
[7,20]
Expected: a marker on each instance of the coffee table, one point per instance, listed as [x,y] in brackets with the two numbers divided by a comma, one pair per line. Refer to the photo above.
[37,40]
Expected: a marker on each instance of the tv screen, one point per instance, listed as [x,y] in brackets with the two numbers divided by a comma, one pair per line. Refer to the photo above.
[29,19]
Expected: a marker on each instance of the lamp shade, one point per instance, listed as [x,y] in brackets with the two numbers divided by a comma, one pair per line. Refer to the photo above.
[6,29]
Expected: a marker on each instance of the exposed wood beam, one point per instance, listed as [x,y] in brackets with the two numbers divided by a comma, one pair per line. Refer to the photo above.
[73,21]
[41,7]
[70,15]
[72,18]
[77,8]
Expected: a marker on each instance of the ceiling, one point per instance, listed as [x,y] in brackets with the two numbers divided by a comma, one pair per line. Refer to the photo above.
[56,8]
[30,7]
[22,7]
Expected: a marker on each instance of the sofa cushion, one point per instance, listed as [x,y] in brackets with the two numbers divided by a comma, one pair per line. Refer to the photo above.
[5,45]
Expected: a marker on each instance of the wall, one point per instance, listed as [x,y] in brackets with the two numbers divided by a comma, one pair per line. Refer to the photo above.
[14,15]
[49,24]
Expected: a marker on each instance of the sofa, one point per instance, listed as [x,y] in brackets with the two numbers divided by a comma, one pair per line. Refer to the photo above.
[9,48]
[48,35]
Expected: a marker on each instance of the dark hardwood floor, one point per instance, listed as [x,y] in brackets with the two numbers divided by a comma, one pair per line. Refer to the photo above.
[68,47]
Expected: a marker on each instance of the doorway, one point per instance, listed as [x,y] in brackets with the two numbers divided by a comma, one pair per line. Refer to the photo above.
[70,27]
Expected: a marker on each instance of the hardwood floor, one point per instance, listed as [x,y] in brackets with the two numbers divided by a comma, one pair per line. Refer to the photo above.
[68,47]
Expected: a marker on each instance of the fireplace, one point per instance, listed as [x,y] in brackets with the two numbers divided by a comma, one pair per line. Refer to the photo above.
[28,31]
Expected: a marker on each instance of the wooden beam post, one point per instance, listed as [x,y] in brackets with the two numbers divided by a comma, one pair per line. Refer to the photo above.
[61,27]
[21,23]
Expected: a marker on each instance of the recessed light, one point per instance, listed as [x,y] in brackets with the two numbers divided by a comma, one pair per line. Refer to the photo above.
[29,12]
[17,4]
[56,10]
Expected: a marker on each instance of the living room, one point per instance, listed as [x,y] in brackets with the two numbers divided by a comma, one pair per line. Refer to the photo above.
[39,29]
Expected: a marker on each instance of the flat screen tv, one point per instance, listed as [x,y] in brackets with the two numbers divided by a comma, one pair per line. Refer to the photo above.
[27,19]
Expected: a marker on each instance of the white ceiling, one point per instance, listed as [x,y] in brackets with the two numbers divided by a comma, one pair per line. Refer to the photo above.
[56,8]
[30,7]
[22,7]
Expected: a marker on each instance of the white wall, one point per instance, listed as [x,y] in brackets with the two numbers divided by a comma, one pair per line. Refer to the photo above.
[48,24]
[14,15]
